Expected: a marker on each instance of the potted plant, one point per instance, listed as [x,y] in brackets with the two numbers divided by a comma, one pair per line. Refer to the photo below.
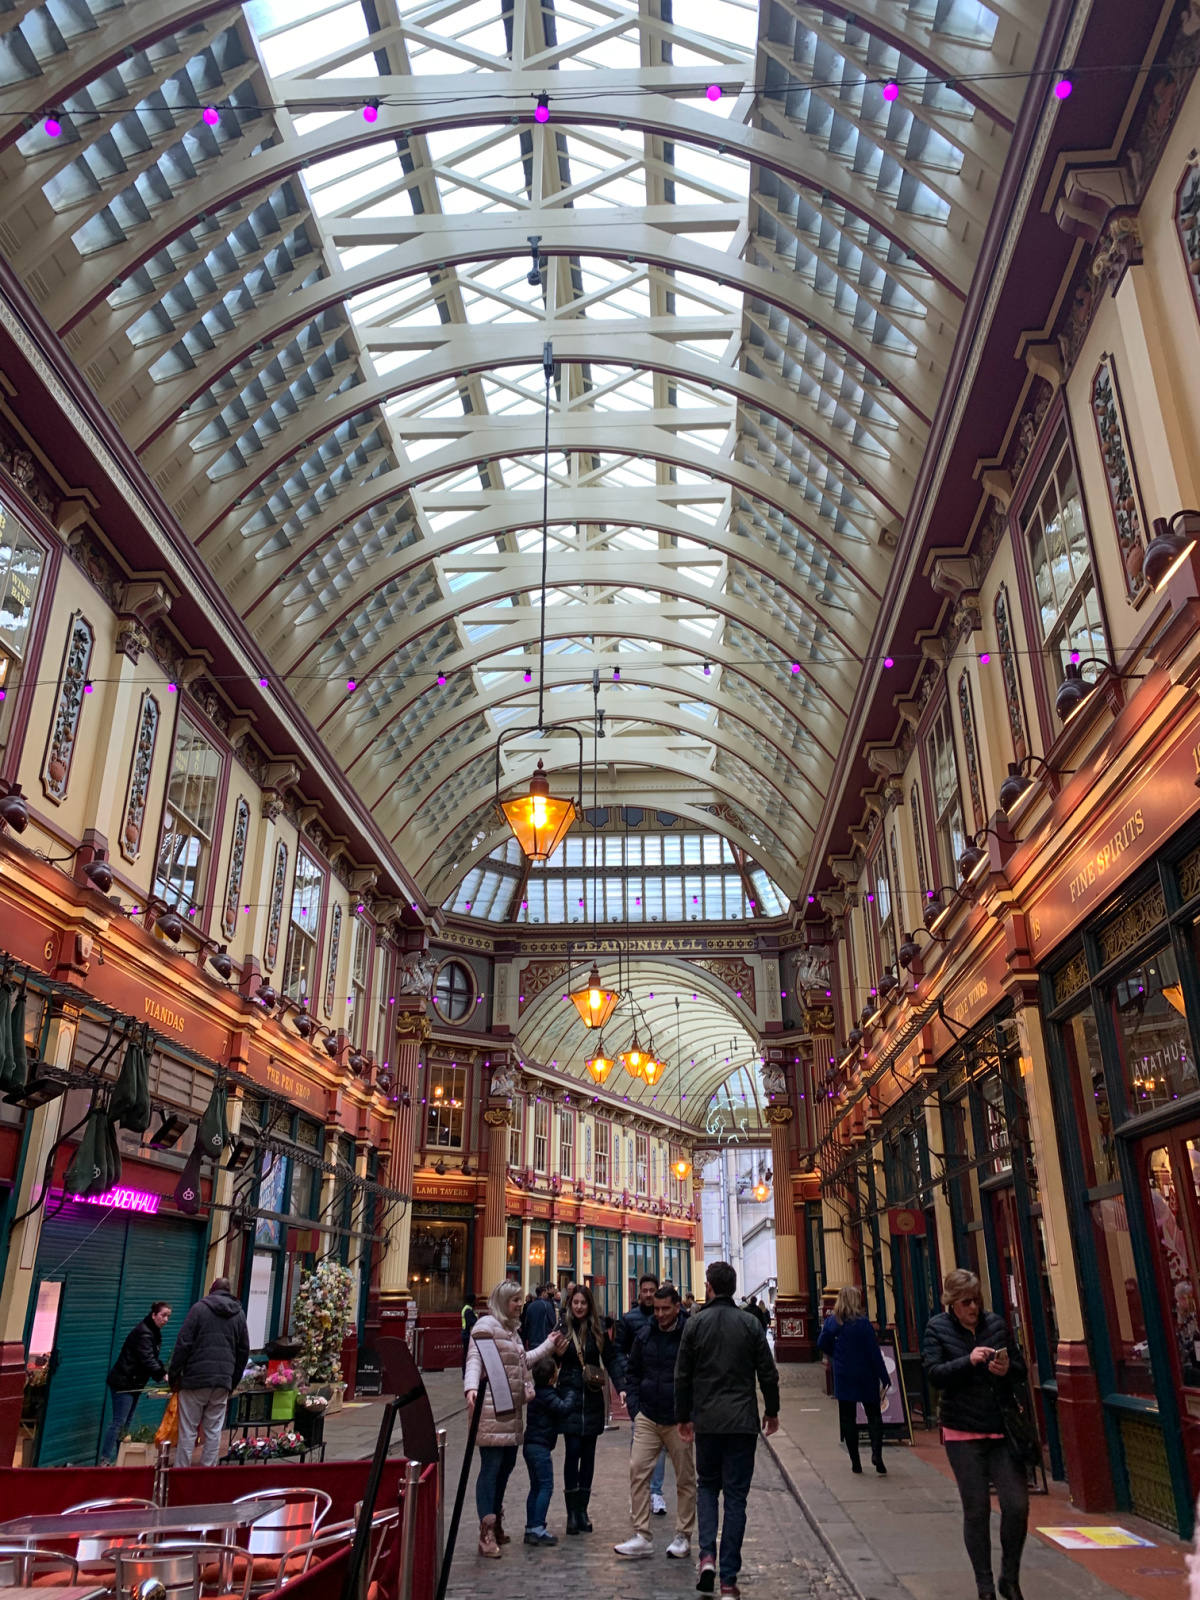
[320,1318]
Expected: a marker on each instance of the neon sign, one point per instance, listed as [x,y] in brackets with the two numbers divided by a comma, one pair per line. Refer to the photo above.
[124,1200]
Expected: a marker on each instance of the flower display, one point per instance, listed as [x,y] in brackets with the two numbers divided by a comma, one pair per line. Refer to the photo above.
[283,1378]
[263,1447]
[321,1318]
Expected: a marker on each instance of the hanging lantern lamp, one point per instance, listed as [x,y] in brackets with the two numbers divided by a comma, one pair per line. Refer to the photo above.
[537,819]
[653,1070]
[600,1065]
[761,1190]
[634,1059]
[681,1166]
[594,1003]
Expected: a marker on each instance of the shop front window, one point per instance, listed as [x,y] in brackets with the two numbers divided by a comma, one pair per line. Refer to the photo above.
[445,1091]
[1167,1226]
[512,1256]
[1156,1048]
[539,1254]
[1091,1089]
[565,1259]
[437,1264]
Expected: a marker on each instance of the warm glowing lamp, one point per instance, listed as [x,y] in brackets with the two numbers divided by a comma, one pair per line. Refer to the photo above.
[634,1059]
[600,1066]
[681,1166]
[538,820]
[594,1004]
[762,1190]
[653,1070]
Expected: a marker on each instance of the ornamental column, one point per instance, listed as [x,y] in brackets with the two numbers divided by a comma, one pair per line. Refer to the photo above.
[698,1233]
[412,1028]
[495,1212]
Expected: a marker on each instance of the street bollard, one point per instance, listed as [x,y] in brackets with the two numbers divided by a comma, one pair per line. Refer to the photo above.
[162,1474]
[441,1497]
[408,1549]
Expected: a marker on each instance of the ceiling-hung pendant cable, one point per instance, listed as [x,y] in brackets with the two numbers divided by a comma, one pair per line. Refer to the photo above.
[548,370]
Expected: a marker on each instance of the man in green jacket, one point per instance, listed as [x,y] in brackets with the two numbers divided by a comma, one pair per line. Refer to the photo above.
[723,1351]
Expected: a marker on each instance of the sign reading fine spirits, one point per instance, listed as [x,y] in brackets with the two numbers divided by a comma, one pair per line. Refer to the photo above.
[124,1200]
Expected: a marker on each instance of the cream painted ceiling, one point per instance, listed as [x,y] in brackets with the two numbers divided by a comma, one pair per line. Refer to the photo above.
[319,335]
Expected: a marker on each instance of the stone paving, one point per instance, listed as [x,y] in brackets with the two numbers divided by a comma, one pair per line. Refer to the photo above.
[783,1559]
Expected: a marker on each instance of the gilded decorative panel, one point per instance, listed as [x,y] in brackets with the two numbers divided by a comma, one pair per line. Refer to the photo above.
[974,777]
[64,727]
[1189,875]
[1013,699]
[914,802]
[237,865]
[1071,978]
[1187,224]
[335,945]
[1142,917]
[138,791]
[1123,496]
[1150,1486]
[275,918]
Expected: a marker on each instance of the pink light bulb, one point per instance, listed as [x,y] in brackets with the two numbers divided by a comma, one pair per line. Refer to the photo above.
[441,677]
[713,92]
[1062,88]
[53,127]
[351,685]
[370,113]
[212,116]
[541,114]
[888,662]
[891,91]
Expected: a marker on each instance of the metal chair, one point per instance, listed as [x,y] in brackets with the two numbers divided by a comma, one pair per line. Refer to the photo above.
[383,1525]
[274,1538]
[33,1566]
[88,1552]
[186,1569]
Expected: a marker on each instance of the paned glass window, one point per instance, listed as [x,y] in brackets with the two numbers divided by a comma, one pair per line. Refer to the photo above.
[360,969]
[643,1153]
[947,797]
[603,1146]
[445,1092]
[453,991]
[1152,1033]
[304,926]
[516,1133]
[186,848]
[1068,604]
[566,1144]
[541,1135]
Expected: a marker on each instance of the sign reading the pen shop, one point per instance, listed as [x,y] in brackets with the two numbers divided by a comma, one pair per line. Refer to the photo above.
[281,1080]
[1131,828]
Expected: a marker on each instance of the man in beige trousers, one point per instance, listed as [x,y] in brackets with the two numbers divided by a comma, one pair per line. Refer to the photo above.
[650,1375]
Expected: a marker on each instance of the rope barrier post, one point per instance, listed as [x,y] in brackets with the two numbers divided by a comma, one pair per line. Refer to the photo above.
[441,1496]
[472,1434]
[356,1574]
[408,1545]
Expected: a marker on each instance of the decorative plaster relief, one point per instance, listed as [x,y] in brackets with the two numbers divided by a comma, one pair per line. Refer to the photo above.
[139,778]
[335,944]
[237,863]
[1119,474]
[1012,679]
[967,717]
[274,921]
[64,729]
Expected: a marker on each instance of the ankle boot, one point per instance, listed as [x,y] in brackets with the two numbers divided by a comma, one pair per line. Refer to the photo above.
[571,1496]
[487,1539]
[501,1536]
[585,1522]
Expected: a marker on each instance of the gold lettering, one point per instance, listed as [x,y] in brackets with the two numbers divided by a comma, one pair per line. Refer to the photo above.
[159,1013]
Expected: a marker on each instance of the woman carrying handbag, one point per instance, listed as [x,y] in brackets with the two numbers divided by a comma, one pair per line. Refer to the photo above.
[972,1359]
[581,1379]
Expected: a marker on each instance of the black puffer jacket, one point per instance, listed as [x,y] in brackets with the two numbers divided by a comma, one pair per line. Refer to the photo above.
[650,1372]
[589,1407]
[139,1360]
[969,1394]
[546,1414]
[213,1346]
[722,1352]
[633,1322]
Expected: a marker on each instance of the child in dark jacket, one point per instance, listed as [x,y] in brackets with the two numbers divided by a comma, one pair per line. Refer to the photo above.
[544,1416]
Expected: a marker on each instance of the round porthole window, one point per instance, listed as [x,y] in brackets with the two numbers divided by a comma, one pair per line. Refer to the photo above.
[453,991]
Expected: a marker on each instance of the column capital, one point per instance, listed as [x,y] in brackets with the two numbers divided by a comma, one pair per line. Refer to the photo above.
[779,1114]
[497,1116]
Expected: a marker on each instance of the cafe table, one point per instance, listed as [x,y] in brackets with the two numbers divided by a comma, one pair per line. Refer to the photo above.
[53,1591]
[123,1522]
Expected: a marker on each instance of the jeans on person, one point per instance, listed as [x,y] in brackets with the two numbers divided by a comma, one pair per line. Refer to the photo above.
[974,1462]
[579,1462]
[848,1426]
[496,1462]
[124,1404]
[724,1466]
[201,1407]
[539,1459]
[650,1441]
[660,1466]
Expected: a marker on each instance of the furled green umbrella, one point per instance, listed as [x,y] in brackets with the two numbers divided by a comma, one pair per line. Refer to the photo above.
[187,1190]
[90,1163]
[7,1064]
[130,1104]
[213,1133]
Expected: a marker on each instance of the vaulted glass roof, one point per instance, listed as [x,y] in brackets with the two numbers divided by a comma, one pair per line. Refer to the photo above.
[321,330]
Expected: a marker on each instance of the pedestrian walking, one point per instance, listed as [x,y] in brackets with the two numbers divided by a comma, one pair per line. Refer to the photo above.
[581,1376]
[139,1361]
[859,1374]
[207,1363]
[973,1361]
[722,1353]
[547,1411]
[500,1437]
[538,1318]
[633,1323]
[650,1380]
[468,1318]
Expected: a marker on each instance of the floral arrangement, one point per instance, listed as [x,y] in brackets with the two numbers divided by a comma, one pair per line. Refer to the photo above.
[283,1378]
[263,1447]
[320,1319]
[312,1402]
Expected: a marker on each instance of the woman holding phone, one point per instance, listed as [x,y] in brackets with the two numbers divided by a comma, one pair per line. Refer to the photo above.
[970,1357]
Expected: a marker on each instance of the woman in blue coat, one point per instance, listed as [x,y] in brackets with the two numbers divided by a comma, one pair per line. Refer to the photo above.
[859,1375]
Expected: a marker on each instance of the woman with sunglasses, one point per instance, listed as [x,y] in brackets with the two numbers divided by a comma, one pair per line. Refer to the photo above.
[973,1361]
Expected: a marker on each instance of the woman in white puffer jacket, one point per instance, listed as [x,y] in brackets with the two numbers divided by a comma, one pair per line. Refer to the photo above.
[500,1437]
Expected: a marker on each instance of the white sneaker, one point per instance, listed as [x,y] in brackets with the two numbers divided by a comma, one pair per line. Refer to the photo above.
[680,1547]
[658,1506]
[637,1548]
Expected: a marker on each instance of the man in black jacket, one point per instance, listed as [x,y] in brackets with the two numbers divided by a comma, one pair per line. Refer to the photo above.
[722,1352]
[539,1318]
[208,1361]
[139,1361]
[634,1322]
[650,1383]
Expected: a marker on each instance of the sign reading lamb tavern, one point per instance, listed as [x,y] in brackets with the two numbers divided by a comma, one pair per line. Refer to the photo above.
[1129,831]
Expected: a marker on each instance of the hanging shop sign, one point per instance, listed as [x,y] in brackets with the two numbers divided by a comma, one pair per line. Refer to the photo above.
[906,1222]
[1143,816]
[462,1189]
[163,1010]
[968,1000]
[122,1199]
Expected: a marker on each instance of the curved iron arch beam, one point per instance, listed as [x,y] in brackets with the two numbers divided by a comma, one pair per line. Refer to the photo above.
[327,703]
[493,350]
[670,634]
[304,638]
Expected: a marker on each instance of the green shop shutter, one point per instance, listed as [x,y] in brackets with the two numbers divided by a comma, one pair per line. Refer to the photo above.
[112,1267]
